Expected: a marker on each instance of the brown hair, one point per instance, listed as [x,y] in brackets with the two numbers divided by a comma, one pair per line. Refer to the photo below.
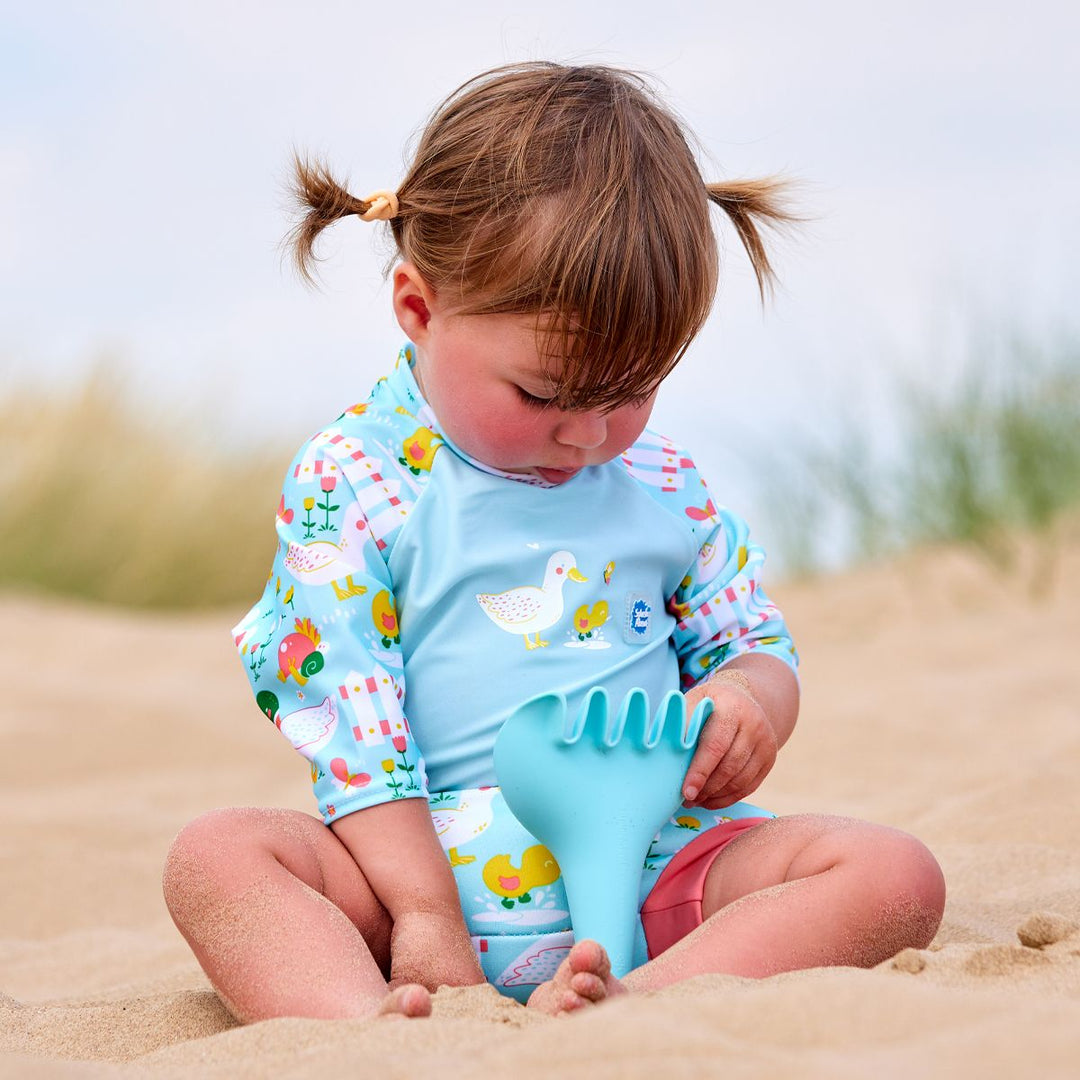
[571,193]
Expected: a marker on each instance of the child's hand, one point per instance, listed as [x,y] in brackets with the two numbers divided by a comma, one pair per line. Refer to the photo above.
[737,747]
[433,950]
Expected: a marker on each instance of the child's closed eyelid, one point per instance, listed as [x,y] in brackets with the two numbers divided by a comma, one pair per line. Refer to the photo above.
[532,399]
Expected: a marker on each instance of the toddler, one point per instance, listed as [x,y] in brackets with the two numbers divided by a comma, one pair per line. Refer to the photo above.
[496,521]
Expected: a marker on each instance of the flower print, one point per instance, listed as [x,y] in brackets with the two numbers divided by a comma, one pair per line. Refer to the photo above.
[327,483]
[406,768]
[309,525]
[394,785]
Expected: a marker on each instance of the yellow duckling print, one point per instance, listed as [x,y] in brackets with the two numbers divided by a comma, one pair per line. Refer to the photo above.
[419,450]
[538,867]
[530,609]
[384,616]
[587,620]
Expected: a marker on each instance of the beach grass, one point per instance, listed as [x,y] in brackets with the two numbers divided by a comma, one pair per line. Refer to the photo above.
[984,458]
[105,500]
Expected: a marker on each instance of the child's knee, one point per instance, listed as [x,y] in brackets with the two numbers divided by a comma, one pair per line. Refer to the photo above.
[908,882]
[203,858]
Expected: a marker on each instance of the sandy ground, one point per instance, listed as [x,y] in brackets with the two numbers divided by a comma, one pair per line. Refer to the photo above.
[937,697]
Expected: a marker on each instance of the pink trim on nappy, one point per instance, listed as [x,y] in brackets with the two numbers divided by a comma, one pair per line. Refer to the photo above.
[673,907]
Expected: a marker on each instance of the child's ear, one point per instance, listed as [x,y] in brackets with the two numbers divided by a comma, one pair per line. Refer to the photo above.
[413,300]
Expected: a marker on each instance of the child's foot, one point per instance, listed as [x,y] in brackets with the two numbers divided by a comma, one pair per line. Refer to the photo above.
[411,1000]
[583,978]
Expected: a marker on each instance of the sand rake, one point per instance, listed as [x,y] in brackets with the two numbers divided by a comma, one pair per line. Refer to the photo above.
[596,792]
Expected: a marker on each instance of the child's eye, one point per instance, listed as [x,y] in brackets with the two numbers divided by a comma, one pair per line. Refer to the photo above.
[532,399]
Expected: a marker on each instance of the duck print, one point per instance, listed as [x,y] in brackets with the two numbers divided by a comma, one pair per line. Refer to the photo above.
[538,867]
[530,609]
[384,616]
[457,825]
[588,620]
[324,562]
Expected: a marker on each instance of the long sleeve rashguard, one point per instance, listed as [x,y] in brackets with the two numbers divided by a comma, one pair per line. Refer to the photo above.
[418,596]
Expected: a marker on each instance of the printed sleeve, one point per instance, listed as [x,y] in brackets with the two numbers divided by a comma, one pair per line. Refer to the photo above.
[721,609]
[321,647]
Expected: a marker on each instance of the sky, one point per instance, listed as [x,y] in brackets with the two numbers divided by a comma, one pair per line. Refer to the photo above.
[144,149]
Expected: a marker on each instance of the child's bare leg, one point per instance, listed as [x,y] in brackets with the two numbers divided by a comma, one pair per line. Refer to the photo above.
[807,891]
[791,893]
[281,918]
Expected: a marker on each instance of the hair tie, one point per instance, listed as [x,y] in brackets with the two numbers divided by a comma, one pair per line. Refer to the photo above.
[382,206]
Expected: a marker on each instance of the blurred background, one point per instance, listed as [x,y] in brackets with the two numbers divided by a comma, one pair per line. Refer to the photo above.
[916,376]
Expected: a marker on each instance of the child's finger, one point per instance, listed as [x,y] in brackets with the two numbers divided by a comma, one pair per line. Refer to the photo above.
[752,752]
[746,783]
[739,757]
[714,742]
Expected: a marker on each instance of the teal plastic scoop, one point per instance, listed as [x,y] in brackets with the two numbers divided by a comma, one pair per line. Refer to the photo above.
[596,790]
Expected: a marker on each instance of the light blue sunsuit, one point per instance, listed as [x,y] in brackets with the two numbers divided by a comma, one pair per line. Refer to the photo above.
[418,596]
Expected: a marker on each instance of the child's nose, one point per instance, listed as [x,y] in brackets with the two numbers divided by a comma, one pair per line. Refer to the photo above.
[584,430]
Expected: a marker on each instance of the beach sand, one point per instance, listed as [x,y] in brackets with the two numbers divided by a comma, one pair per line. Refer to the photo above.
[939,697]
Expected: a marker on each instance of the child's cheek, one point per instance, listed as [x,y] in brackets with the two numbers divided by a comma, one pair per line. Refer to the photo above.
[500,436]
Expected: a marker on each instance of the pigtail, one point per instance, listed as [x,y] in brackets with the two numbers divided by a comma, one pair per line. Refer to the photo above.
[751,204]
[321,201]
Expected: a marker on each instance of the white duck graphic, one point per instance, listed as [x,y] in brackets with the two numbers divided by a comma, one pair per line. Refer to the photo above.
[323,562]
[459,824]
[530,609]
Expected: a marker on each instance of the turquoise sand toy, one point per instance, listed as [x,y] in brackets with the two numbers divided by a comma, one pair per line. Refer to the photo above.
[596,792]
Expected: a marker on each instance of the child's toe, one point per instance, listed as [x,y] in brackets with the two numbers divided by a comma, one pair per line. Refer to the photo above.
[589,986]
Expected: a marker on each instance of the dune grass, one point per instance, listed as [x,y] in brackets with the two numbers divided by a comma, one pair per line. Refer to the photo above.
[103,502]
[982,459]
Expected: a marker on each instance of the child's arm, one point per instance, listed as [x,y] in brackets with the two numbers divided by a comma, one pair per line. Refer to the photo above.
[734,647]
[756,703]
[324,659]
[395,846]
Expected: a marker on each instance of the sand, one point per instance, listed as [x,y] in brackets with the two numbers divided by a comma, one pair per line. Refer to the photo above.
[938,697]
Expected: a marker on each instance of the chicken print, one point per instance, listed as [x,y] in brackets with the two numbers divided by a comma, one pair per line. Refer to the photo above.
[299,654]
[384,616]
[538,867]
[588,620]
[530,609]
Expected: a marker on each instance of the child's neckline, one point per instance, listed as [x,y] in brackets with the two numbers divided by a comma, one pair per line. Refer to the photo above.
[403,370]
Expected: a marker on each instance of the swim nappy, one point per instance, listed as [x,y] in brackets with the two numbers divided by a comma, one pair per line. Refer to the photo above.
[511,887]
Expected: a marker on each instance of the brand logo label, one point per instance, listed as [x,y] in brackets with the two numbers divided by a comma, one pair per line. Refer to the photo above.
[638,626]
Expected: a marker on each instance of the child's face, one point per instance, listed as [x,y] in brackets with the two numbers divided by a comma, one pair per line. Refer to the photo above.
[486,380]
